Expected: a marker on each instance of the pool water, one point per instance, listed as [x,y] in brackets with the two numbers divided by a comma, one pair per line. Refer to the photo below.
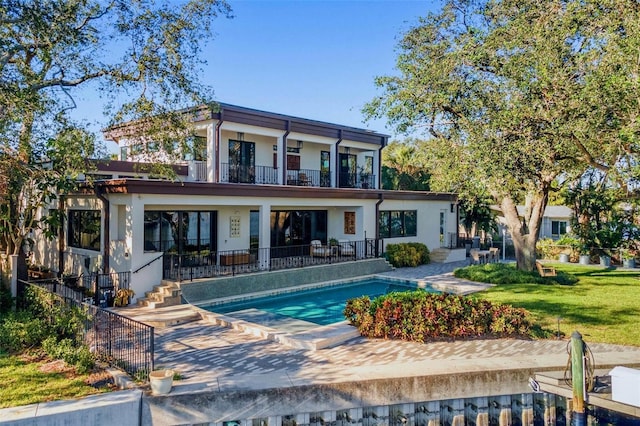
[320,305]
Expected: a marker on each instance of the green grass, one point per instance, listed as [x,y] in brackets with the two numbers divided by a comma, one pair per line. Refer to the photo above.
[22,383]
[604,305]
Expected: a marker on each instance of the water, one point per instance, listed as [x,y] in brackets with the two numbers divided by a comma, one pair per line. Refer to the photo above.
[323,305]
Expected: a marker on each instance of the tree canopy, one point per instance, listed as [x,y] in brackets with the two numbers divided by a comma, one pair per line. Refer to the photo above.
[141,56]
[518,96]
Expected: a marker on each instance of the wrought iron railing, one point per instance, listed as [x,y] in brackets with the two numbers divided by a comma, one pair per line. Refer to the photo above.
[105,287]
[115,339]
[261,175]
[309,177]
[181,267]
[356,180]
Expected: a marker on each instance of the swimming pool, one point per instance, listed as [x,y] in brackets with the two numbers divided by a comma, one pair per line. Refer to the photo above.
[319,305]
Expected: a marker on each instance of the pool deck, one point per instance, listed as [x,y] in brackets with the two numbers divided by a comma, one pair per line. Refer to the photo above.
[217,359]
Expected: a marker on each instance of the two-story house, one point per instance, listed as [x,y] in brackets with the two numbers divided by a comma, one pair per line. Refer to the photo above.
[260,191]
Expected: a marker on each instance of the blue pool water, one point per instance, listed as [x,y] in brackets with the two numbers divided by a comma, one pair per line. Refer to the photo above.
[320,305]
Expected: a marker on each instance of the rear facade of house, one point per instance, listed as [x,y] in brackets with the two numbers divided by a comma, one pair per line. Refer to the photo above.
[257,191]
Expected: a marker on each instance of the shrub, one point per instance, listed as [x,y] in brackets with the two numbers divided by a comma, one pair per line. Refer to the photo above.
[407,254]
[421,316]
[67,350]
[20,330]
[501,273]
[6,300]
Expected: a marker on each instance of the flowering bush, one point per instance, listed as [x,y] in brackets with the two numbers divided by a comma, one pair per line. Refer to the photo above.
[422,316]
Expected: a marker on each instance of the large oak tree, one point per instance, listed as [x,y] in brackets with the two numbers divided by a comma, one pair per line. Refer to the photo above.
[518,96]
[142,57]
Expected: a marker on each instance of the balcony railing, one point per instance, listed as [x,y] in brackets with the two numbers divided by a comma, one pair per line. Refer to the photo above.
[260,175]
[181,267]
[356,180]
[308,177]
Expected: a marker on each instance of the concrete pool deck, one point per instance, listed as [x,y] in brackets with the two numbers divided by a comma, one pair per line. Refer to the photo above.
[226,372]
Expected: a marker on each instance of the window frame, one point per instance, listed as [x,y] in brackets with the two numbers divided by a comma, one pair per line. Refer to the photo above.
[77,225]
[397,223]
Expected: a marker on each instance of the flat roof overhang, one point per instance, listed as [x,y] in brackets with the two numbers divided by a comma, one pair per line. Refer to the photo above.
[144,186]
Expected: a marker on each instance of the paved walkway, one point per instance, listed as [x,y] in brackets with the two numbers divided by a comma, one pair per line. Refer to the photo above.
[211,357]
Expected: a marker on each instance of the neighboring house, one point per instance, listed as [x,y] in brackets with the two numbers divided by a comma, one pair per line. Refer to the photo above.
[556,221]
[257,193]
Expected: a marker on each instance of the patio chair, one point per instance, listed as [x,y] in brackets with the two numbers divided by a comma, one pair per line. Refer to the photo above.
[495,254]
[303,180]
[319,250]
[475,257]
[346,248]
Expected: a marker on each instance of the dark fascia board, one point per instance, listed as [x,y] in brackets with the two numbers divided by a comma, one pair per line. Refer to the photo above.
[270,120]
[140,186]
[117,166]
[237,114]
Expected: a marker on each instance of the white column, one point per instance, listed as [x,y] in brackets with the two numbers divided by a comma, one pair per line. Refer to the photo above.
[265,235]
[13,267]
[281,157]
[332,164]
[210,151]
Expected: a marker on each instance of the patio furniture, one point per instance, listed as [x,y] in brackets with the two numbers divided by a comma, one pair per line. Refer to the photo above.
[319,250]
[494,255]
[475,257]
[545,271]
[346,248]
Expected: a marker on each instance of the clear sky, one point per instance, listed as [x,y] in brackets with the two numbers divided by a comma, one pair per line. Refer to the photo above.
[307,58]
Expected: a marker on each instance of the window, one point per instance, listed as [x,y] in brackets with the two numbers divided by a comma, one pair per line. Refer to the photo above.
[558,228]
[84,229]
[398,223]
[180,231]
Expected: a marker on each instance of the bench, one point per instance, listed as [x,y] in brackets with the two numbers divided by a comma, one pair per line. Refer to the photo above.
[239,258]
[545,271]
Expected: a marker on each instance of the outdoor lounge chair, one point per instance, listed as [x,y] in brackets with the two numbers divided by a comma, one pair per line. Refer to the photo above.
[346,248]
[319,250]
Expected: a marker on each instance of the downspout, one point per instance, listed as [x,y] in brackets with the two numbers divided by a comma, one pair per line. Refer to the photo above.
[283,149]
[216,149]
[337,159]
[107,214]
[377,219]
[383,146]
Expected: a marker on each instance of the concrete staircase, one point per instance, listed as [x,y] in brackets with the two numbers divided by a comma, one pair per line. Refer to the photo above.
[163,295]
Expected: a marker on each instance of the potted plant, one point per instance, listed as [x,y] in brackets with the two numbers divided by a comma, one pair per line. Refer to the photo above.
[585,257]
[628,258]
[122,297]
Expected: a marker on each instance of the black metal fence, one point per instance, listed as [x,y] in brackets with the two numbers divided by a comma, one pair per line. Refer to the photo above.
[181,267]
[105,287]
[113,338]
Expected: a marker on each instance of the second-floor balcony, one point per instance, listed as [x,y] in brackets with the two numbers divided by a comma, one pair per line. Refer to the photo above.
[267,175]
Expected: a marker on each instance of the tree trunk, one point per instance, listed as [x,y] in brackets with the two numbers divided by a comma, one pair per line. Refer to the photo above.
[524,230]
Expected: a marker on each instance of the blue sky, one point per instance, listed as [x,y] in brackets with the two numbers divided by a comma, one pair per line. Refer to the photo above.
[311,59]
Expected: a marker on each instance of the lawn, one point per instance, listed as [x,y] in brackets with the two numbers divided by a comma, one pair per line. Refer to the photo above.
[26,381]
[604,306]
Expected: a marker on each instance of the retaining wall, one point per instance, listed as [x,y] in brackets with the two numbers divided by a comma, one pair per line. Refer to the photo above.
[198,291]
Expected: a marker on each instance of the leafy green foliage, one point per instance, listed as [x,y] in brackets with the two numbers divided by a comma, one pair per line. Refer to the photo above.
[500,273]
[407,254]
[70,352]
[21,330]
[422,316]
[520,98]
[148,50]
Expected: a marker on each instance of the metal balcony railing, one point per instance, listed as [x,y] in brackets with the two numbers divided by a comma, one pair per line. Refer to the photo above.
[259,175]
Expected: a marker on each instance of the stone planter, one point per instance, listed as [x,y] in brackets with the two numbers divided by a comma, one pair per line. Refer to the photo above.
[585,259]
[605,261]
[564,258]
[629,263]
[161,381]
